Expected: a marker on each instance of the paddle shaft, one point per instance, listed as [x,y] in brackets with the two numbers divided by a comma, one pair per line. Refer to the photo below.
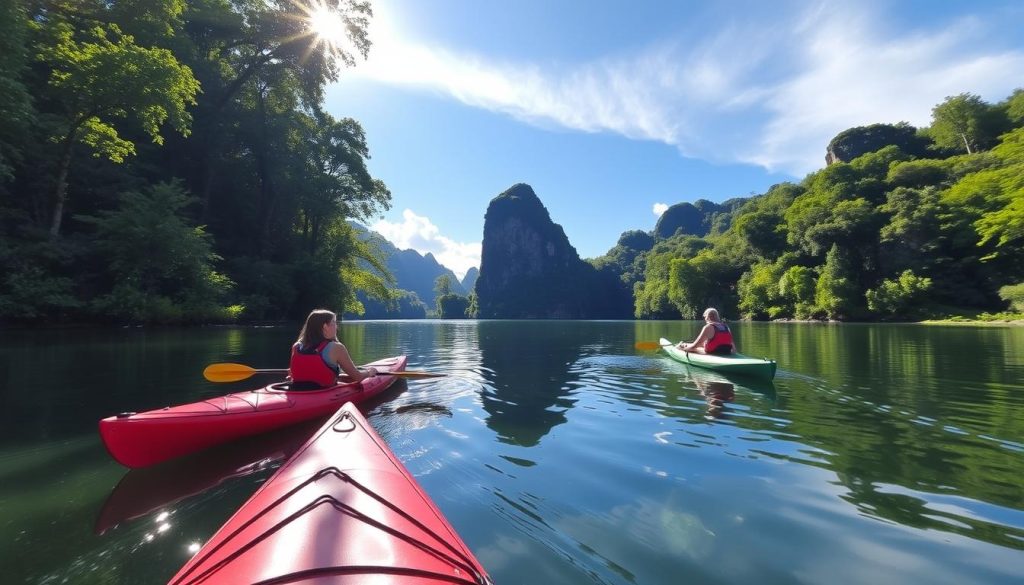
[237,372]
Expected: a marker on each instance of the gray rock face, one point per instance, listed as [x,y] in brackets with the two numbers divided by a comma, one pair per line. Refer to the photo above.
[528,268]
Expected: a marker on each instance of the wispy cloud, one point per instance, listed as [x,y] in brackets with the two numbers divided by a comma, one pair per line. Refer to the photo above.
[418,233]
[659,208]
[766,95]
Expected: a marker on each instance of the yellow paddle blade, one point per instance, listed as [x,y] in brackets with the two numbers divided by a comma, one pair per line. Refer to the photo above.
[227,372]
[648,345]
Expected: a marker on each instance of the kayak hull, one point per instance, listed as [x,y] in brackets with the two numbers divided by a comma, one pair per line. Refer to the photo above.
[146,438]
[736,364]
[342,510]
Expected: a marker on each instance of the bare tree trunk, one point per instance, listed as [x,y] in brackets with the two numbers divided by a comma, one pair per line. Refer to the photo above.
[266,201]
[62,184]
[967,144]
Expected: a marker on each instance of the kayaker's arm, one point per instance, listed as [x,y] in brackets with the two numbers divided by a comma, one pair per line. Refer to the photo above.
[702,339]
[341,357]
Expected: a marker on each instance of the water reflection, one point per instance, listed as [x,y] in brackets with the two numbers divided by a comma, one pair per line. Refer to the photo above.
[527,375]
[716,394]
[158,488]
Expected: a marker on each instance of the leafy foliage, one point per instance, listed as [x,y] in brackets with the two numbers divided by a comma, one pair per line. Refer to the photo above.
[897,297]
[965,122]
[886,234]
[159,268]
[452,306]
[855,142]
[1014,294]
[139,105]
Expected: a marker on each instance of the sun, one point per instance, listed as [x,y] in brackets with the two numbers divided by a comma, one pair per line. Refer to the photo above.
[328,25]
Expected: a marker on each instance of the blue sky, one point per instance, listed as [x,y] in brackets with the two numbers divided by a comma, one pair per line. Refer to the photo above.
[612,110]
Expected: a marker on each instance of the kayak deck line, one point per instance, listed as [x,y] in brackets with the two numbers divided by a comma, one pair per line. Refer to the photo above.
[453,556]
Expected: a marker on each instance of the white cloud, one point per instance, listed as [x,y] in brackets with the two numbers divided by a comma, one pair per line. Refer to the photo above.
[659,208]
[419,233]
[767,95]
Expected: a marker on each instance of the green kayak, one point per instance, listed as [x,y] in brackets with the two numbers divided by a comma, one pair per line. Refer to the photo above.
[726,364]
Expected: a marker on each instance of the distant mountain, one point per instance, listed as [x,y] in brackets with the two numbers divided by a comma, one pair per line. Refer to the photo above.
[469,281]
[413,271]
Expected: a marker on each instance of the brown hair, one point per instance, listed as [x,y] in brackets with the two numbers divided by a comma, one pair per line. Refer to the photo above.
[312,333]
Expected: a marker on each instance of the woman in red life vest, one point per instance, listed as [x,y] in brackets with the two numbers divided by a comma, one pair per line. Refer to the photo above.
[715,337]
[318,358]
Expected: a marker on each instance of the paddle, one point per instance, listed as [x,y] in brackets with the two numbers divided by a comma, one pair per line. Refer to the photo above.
[650,345]
[236,372]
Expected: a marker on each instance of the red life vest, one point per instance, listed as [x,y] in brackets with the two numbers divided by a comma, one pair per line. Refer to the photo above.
[308,365]
[721,341]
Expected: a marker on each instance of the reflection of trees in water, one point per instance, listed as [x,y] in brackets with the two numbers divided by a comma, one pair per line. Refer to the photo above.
[526,366]
[913,509]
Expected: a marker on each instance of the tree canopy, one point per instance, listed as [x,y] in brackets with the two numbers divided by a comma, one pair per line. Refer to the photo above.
[205,113]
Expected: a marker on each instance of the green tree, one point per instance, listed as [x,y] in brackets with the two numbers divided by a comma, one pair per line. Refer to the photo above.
[443,285]
[452,306]
[913,236]
[696,283]
[797,286]
[15,108]
[1013,294]
[334,177]
[897,297]
[919,173]
[651,295]
[100,77]
[759,292]
[1015,106]
[765,232]
[962,122]
[836,293]
[260,41]
[158,267]
[993,198]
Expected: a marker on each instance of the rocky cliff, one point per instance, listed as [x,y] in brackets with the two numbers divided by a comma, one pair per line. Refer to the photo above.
[528,268]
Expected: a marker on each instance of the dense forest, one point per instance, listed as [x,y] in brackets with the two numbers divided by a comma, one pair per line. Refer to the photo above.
[903,223]
[170,161]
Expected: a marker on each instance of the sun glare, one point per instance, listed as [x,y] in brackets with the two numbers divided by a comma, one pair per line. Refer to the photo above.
[327,25]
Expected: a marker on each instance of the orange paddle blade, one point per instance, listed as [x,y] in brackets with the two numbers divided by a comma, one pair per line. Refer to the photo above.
[234,372]
[648,345]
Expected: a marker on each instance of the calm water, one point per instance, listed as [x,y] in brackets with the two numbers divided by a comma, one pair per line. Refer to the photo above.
[881,453]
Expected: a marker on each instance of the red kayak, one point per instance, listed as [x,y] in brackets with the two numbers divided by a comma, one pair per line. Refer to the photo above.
[342,510]
[146,438]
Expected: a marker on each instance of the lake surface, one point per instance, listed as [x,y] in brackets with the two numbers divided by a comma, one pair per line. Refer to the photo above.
[880,454]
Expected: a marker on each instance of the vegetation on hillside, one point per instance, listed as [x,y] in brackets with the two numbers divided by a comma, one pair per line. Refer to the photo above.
[919,223]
